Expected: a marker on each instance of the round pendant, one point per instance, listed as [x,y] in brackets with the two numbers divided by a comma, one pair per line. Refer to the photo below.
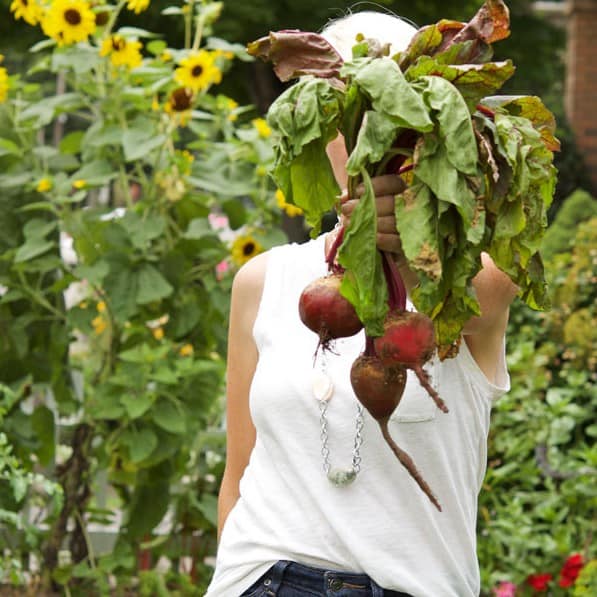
[342,477]
[322,386]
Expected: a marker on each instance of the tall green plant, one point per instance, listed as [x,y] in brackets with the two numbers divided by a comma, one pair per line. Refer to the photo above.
[125,180]
[538,507]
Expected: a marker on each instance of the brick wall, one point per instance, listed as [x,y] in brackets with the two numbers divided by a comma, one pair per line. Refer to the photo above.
[581,79]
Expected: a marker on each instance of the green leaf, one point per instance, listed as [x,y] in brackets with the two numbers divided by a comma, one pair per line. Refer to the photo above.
[169,416]
[149,505]
[454,122]
[151,285]
[94,273]
[105,405]
[236,212]
[530,107]
[71,143]
[165,375]
[375,137]
[95,173]
[198,228]
[416,222]
[392,95]
[100,134]
[156,46]
[433,167]
[139,142]
[33,247]
[141,230]
[473,81]
[137,404]
[121,285]
[8,147]
[42,423]
[208,506]
[136,32]
[81,59]
[10,181]
[139,442]
[364,283]
[313,186]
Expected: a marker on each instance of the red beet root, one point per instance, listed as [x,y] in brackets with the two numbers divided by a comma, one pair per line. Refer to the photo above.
[409,341]
[379,389]
[326,312]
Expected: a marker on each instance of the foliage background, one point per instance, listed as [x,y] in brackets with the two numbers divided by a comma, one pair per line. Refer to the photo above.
[542,458]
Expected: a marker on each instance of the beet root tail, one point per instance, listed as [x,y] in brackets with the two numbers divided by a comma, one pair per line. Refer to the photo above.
[408,464]
[426,383]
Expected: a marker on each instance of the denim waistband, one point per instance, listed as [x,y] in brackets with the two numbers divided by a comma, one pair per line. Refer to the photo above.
[332,583]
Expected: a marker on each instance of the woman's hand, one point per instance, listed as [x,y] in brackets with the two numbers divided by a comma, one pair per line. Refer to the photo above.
[385,188]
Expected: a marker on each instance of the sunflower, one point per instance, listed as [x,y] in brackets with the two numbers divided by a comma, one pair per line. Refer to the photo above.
[44,185]
[290,209]
[28,10]
[3,83]
[122,52]
[68,21]
[198,71]
[244,248]
[180,100]
[137,5]
[186,350]
[262,127]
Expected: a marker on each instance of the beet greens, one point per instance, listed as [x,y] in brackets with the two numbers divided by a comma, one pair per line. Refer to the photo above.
[478,167]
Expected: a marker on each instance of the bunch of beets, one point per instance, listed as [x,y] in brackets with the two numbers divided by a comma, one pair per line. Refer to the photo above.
[378,375]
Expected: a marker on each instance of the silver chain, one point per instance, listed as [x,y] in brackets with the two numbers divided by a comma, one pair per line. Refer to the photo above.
[339,477]
[358,438]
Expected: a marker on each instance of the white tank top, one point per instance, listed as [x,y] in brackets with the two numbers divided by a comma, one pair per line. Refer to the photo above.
[381,524]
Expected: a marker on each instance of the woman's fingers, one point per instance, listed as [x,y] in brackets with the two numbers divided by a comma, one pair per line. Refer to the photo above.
[389,242]
[385,189]
[384,206]
[387,184]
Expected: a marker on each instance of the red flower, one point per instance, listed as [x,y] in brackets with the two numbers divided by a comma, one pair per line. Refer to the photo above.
[539,582]
[570,570]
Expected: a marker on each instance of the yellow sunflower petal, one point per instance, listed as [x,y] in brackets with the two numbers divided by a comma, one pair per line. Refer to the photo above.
[68,21]
[28,10]
[3,84]
[198,71]
[137,5]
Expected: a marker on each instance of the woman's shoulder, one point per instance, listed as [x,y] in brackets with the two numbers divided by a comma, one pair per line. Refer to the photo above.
[250,278]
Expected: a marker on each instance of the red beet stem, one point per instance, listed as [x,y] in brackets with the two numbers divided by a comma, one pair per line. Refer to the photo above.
[396,289]
[408,463]
[369,347]
[485,110]
[331,256]
[406,168]
[425,381]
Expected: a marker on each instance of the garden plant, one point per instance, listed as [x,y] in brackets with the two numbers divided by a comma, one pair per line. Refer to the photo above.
[130,190]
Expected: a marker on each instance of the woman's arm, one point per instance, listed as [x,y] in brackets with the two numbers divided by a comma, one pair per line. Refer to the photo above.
[247,289]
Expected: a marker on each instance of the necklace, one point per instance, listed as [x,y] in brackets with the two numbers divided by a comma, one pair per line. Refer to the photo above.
[323,390]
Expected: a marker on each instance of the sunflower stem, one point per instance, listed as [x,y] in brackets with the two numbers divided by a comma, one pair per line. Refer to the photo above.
[113,17]
[198,32]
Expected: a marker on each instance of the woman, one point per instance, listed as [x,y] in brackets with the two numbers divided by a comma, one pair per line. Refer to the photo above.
[313,502]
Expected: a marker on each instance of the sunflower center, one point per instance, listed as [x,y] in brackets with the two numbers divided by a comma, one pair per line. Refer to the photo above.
[180,100]
[72,16]
[25,2]
[197,70]
[248,248]
[118,43]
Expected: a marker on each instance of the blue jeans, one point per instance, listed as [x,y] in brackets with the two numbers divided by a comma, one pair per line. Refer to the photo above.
[289,579]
